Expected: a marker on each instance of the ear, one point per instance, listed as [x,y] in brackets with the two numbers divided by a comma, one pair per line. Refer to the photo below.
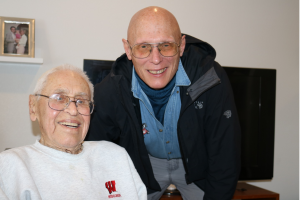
[32,107]
[182,45]
[127,49]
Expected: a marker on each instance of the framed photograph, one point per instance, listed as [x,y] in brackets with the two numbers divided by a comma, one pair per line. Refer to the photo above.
[17,37]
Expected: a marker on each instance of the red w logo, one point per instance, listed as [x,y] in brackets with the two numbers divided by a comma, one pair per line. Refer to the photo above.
[111,186]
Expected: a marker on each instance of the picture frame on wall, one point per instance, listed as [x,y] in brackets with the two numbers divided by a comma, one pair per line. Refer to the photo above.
[17,37]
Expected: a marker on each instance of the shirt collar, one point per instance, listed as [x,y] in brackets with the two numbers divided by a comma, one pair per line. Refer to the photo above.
[182,78]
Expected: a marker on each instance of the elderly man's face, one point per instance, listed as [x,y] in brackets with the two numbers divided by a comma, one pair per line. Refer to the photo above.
[53,124]
[13,30]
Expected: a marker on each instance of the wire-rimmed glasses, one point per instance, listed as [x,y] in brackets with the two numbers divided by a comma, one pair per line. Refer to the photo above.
[60,102]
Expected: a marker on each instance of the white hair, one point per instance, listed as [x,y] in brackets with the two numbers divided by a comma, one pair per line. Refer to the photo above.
[41,83]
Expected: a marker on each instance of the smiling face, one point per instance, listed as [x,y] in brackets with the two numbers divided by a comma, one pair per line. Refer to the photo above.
[13,30]
[154,25]
[64,129]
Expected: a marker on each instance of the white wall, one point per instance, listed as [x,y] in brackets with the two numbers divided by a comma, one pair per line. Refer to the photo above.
[248,33]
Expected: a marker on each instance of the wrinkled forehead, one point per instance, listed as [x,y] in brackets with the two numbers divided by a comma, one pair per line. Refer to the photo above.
[67,83]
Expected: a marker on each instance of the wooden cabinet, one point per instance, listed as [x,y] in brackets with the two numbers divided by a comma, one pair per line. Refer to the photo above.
[243,191]
[246,191]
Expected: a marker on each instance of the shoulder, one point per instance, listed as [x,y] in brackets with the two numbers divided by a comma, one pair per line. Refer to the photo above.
[17,151]
[218,68]
[104,147]
[103,151]
[16,155]
[222,75]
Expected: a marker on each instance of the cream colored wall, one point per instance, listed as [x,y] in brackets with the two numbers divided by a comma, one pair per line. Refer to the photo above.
[249,33]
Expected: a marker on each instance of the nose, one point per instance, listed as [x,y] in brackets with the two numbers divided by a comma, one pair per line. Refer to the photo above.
[156,57]
[71,108]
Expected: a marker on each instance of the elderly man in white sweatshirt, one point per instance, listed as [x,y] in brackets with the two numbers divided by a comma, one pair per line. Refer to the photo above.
[61,165]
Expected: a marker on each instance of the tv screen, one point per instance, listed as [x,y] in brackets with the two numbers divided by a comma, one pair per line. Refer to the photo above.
[97,70]
[254,93]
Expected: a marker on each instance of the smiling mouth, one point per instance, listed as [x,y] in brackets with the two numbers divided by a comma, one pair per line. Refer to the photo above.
[69,124]
[157,72]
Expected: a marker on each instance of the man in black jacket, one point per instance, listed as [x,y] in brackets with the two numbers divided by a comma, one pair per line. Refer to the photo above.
[170,105]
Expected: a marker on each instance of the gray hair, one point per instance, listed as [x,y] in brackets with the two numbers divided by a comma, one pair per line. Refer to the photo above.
[41,83]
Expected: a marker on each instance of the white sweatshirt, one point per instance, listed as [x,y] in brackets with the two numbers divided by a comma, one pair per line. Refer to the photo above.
[39,172]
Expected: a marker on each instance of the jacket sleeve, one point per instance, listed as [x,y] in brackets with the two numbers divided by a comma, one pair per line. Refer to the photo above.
[222,134]
[103,125]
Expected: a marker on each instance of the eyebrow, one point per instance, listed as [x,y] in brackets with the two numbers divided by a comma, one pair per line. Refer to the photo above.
[81,94]
[66,91]
[60,90]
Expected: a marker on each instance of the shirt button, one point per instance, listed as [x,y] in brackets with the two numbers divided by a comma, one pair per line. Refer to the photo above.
[169,153]
[160,130]
[177,91]
[168,142]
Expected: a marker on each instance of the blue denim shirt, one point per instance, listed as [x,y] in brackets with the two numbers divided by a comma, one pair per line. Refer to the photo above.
[161,141]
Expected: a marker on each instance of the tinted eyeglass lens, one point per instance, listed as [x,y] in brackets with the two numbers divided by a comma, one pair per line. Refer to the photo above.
[168,48]
[141,50]
[165,49]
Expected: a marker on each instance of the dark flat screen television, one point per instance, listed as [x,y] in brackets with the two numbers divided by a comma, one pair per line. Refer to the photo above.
[254,94]
[97,70]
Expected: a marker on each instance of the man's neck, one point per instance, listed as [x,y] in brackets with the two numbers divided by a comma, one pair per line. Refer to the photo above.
[75,150]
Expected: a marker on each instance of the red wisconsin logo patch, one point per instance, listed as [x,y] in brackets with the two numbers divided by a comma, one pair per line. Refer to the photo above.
[111,186]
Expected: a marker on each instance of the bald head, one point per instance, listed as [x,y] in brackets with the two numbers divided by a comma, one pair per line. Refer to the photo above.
[150,26]
[152,21]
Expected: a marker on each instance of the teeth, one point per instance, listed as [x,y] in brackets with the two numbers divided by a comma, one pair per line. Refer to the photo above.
[69,124]
[157,72]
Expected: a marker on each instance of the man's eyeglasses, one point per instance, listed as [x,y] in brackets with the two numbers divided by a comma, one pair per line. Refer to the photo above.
[143,50]
[60,102]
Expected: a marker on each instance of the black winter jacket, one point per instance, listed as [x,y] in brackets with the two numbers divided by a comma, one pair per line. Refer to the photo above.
[208,128]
